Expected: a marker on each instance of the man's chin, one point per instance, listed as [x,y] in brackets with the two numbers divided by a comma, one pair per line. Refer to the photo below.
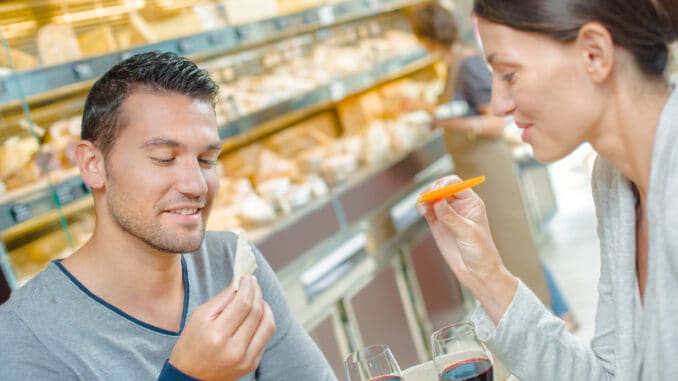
[180,243]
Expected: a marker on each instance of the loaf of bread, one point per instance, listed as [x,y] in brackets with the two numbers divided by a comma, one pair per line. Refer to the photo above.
[20,60]
[97,41]
[15,154]
[271,166]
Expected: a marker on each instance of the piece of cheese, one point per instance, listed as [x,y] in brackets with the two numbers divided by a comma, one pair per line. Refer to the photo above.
[245,263]
[57,43]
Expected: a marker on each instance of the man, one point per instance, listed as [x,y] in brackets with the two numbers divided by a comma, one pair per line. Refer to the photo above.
[129,305]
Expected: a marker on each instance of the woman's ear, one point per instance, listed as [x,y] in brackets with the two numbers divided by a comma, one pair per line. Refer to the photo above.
[90,161]
[596,49]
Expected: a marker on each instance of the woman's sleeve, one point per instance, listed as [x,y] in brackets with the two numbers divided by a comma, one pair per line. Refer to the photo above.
[535,345]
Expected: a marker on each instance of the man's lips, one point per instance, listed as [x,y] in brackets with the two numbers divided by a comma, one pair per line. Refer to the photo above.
[185,209]
[523,125]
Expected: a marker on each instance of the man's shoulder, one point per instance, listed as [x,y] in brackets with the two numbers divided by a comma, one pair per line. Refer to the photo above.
[34,292]
[28,303]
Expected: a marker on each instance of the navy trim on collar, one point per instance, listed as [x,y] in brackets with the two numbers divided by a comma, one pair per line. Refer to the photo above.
[184,313]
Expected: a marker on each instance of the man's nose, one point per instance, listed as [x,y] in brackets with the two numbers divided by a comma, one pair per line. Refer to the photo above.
[191,181]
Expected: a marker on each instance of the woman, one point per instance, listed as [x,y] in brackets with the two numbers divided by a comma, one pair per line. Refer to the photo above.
[477,145]
[571,71]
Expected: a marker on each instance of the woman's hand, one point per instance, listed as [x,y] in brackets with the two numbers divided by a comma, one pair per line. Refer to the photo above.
[460,227]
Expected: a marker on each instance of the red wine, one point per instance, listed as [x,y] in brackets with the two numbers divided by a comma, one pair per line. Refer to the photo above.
[478,369]
[387,378]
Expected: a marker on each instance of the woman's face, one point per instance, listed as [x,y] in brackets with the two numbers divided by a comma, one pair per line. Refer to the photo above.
[544,85]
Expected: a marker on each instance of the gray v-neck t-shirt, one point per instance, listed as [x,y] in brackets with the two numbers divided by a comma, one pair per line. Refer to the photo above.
[53,328]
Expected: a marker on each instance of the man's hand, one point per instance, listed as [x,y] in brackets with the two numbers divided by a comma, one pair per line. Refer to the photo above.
[225,338]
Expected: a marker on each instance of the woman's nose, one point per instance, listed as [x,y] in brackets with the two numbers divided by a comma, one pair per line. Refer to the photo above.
[503,104]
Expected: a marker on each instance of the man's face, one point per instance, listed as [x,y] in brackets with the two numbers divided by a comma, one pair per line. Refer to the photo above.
[161,172]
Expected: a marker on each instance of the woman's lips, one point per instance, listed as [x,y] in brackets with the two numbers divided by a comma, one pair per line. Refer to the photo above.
[526,129]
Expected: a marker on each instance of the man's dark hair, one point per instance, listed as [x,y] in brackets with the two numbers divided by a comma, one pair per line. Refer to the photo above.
[155,72]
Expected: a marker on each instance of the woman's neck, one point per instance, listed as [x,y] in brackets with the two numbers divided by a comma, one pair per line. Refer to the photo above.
[626,133]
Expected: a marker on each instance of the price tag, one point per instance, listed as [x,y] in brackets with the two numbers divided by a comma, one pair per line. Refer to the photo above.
[337,91]
[334,259]
[126,55]
[215,38]
[243,32]
[20,213]
[308,17]
[404,214]
[64,195]
[326,15]
[185,46]
[85,188]
[372,5]
[83,70]
[282,23]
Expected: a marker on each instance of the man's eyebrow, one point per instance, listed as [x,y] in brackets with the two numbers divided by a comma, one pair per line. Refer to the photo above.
[214,147]
[164,142]
[155,142]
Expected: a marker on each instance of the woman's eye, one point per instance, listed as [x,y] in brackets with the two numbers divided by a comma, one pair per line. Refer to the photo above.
[508,77]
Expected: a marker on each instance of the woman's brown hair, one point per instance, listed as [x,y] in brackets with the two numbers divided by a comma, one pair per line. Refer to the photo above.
[643,27]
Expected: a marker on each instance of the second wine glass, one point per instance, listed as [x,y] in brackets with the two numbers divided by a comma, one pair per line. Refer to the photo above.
[458,354]
[373,363]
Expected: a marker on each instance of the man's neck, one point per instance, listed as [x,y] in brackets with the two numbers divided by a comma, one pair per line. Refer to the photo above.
[142,282]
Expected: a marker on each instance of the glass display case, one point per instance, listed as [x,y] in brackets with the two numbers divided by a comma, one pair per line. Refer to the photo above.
[274,72]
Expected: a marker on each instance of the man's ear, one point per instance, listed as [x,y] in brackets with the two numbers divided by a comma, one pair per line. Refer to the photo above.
[90,161]
[596,49]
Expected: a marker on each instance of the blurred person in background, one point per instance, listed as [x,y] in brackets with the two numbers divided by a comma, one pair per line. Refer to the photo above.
[477,145]
[568,72]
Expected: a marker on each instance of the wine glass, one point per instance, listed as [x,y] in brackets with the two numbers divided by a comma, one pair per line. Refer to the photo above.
[458,355]
[373,363]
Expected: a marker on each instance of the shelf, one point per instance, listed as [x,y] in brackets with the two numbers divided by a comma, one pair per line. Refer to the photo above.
[37,200]
[31,83]
[40,200]
[344,205]
[331,92]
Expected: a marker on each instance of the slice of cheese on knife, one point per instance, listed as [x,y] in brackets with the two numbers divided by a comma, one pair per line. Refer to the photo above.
[245,262]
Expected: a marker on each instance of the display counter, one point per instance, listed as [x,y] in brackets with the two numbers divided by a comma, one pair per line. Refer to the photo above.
[320,168]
